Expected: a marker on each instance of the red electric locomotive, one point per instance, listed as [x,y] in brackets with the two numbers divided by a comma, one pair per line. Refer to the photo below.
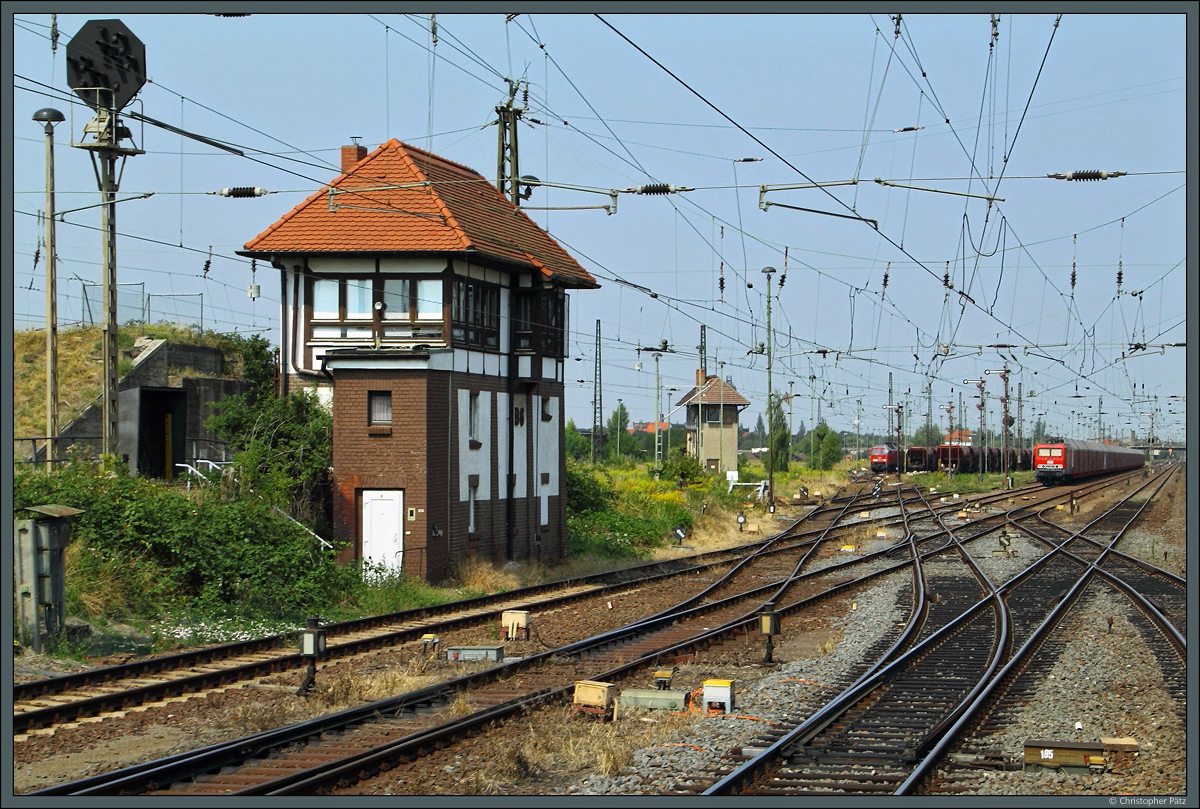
[885,458]
[1071,459]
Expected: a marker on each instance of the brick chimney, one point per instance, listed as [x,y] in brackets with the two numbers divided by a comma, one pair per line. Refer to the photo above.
[351,155]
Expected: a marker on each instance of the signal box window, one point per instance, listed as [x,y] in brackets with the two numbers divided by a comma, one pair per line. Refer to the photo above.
[379,407]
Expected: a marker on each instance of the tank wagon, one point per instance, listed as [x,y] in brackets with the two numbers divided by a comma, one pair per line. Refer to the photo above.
[885,458]
[921,459]
[1071,459]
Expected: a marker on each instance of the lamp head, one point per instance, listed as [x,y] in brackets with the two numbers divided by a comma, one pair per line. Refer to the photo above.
[48,116]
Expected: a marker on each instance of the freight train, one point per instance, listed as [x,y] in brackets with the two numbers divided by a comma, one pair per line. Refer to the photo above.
[958,458]
[921,459]
[1070,459]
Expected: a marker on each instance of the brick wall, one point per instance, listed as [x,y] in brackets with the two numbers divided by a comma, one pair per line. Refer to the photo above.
[371,458]
[419,454]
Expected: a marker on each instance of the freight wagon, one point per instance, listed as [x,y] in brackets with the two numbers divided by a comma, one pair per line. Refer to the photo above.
[957,458]
[921,459]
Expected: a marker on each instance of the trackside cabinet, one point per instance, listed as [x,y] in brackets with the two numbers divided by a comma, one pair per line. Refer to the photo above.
[38,575]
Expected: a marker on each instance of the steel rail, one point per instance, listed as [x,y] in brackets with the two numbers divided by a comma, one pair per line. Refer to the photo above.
[216,756]
[1021,657]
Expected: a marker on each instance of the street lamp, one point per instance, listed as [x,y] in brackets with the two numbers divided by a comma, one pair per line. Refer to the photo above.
[620,405]
[50,117]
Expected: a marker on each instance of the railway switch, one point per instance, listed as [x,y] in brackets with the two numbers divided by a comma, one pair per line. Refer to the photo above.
[462,654]
[651,699]
[1071,757]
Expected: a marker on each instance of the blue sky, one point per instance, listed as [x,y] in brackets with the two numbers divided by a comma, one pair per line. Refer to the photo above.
[803,98]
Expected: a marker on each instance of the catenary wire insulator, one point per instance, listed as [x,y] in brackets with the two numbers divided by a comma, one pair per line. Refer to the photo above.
[241,191]
[1092,174]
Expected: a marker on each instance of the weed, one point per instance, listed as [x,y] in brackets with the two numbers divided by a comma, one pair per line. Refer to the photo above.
[253,717]
[473,575]
[461,705]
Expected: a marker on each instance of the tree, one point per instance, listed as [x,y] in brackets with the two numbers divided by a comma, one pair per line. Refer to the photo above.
[799,440]
[1040,432]
[816,440]
[619,442]
[831,449]
[778,439]
[283,447]
[577,447]
[760,432]
[928,435]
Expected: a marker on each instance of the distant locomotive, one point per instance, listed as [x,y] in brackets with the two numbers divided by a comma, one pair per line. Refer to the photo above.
[885,458]
[1070,459]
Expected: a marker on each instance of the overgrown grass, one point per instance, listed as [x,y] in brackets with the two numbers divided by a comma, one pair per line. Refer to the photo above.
[79,354]
[623,513]
[557,746]
[967,483]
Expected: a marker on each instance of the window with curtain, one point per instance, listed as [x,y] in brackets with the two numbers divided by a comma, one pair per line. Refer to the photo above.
[379,407]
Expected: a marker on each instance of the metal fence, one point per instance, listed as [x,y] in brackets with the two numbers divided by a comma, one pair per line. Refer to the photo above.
[135,306]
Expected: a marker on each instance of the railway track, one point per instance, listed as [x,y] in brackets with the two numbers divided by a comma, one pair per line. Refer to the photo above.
[423,720]
[881,735]
[42,705]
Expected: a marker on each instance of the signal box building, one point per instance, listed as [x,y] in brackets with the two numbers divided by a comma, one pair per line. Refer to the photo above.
[712,408]
[432,315]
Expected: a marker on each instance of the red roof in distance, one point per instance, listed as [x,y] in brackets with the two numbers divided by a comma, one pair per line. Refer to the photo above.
[713,391]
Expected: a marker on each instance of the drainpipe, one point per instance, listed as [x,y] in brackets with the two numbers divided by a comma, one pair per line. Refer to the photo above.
[323,373]
[284,358]
[510,383]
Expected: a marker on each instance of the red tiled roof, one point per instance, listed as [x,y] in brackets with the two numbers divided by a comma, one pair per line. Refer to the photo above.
[400,199]
[648,426]
[713,391]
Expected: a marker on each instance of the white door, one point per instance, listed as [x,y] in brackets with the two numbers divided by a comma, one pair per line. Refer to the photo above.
[383,543]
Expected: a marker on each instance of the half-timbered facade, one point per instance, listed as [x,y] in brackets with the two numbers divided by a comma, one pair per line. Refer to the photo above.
[431,315]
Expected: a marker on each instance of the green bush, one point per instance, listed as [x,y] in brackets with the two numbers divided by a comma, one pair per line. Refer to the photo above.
[585,491]
[685,467]
[233,557]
